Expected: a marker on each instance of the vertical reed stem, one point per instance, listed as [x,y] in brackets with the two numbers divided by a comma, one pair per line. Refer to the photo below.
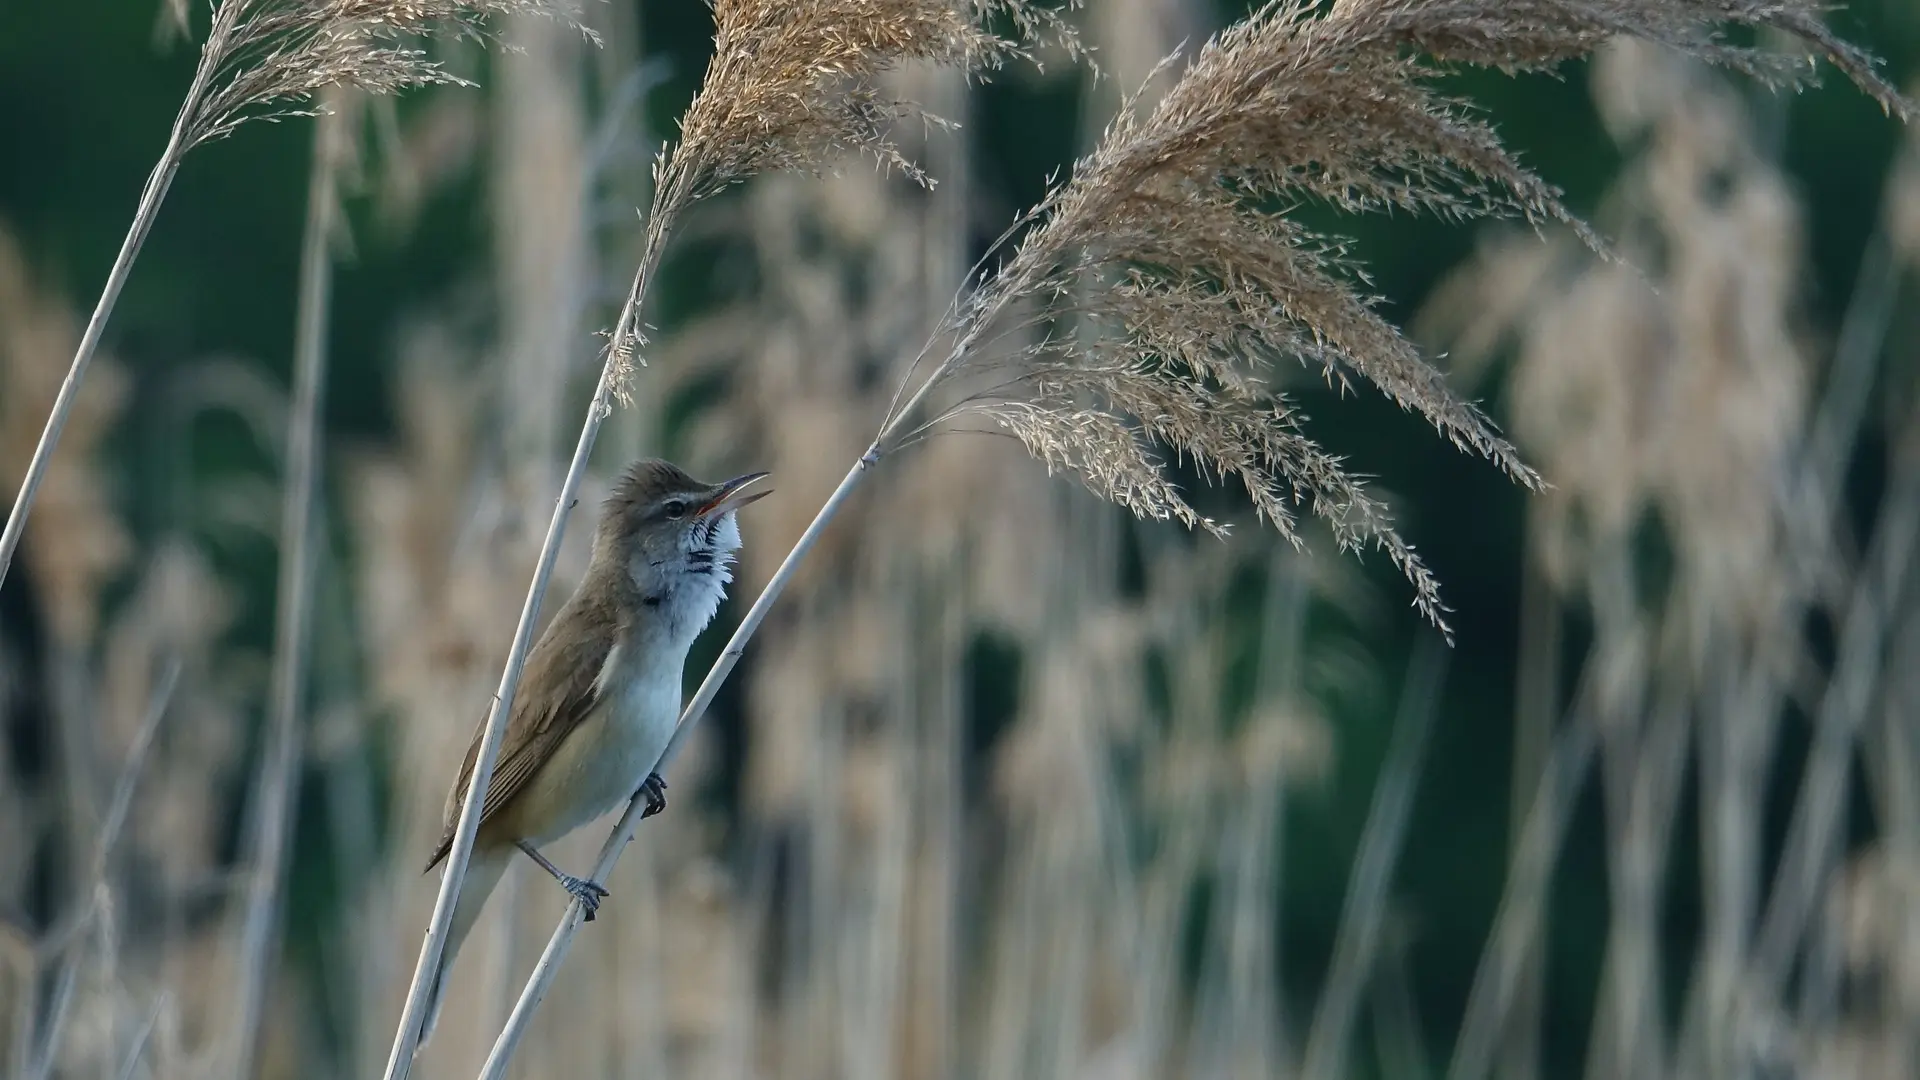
[280,768]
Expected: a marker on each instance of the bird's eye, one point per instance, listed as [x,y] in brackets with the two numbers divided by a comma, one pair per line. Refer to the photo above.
[675,508]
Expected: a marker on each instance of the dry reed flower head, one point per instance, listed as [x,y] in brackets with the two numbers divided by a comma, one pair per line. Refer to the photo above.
[1171,250]
[796,84]
[269,59]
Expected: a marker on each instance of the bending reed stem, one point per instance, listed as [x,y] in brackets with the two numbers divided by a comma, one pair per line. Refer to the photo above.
[151,196]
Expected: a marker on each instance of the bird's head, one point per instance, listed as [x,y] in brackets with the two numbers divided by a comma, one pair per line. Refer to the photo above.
[674,537]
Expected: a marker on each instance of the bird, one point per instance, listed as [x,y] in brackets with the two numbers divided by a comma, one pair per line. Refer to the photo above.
[601,691]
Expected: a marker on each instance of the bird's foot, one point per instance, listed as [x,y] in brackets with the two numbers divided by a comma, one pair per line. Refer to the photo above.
[655,790]
[589,893]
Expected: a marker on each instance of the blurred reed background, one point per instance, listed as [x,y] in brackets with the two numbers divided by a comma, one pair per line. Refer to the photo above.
[1011,785]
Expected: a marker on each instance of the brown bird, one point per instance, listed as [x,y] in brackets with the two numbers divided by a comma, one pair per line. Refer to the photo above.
[601,692]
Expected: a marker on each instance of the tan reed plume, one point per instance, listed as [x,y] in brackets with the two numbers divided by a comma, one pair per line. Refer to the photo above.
[1170,247]
[795,86]
[267,59]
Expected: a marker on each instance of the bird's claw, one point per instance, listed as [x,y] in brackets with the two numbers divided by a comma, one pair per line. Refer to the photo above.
[655,791]
[589,893]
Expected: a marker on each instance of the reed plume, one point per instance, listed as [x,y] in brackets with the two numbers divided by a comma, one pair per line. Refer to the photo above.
[797,86]
[266,60]
[1172,253]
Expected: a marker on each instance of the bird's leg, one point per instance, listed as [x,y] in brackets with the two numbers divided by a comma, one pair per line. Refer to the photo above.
[589,893]
[655,790]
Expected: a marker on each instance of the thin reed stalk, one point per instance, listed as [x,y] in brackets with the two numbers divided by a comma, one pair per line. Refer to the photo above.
[279,776]
[151,196]
[406,1038]
[1814,843]
[31,1066]
[670,198]
[1523,903]
[499,1058]
[673,192]
[682,176]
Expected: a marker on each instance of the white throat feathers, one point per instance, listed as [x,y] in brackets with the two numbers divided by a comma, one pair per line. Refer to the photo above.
[683,589]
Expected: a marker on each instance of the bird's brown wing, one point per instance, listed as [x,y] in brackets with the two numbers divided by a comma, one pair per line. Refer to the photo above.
[557,691]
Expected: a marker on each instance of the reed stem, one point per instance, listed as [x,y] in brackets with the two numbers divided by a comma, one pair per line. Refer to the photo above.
[280,768]
[151,196]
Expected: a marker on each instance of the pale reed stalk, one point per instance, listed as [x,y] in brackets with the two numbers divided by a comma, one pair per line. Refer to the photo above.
[406,1038]
[279,776]
[1362,914]
[30,1066]
[151,196]
[677,179]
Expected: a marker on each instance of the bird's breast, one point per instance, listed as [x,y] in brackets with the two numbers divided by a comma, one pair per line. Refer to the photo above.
[602,762]
[639,713]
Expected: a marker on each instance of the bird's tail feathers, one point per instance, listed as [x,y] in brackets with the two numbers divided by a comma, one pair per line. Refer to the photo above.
[484,871]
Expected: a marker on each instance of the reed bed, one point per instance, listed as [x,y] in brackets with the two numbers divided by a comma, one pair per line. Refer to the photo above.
[1012,782]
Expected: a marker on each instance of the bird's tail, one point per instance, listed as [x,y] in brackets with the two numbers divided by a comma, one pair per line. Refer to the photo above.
[484,871]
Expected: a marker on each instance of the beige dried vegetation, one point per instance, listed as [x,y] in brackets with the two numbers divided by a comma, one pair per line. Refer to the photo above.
[1140,308]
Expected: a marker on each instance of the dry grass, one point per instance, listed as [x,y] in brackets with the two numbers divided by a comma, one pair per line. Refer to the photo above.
[130,798]
[1178,279]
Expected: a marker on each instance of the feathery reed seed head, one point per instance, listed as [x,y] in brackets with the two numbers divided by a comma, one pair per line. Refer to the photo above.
[1171,249]
[794,84]
[269,58]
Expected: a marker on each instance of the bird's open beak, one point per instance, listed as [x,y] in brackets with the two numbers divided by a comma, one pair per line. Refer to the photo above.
[734,494]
